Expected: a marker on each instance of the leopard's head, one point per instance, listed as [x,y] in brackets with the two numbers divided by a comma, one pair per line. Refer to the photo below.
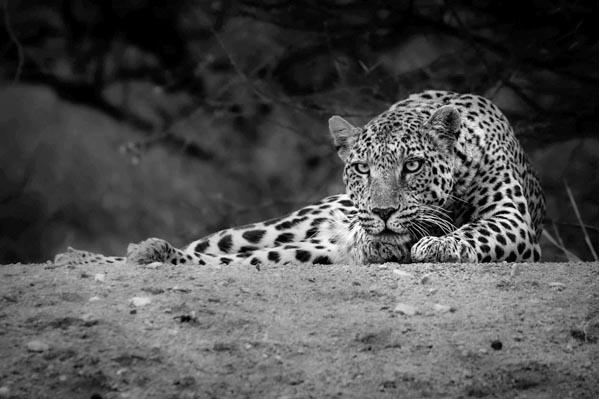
[399,174]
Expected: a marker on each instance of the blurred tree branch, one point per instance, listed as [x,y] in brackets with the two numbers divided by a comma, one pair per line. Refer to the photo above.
[14,40]
[81,48]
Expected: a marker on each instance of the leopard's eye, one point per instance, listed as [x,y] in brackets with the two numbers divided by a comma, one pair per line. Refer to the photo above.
[361,168]
[412,165]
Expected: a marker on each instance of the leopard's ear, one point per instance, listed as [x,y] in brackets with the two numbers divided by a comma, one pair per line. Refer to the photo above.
[444,127]
[344,135]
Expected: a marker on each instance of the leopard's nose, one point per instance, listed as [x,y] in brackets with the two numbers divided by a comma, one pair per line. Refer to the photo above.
[384,213]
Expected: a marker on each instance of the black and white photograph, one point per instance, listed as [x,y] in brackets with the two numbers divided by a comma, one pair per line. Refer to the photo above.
[296,199]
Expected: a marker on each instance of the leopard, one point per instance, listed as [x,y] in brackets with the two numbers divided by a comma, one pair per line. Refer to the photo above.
[438,177]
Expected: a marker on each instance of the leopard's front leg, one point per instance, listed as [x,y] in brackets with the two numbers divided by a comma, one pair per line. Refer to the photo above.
[506,234]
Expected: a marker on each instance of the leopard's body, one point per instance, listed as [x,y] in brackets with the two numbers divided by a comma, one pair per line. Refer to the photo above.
[438,177]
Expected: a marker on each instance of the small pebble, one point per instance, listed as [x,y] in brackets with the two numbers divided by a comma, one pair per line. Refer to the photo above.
[426,278]
[515,270]
[37,346]
[100,277]
[442,308]
[405,309]
[402,273]
[154,265]
[94,299]
[62,378]
[569,347]
[87,317]
[483,351]
[432,291]
[557,285]
[4,392]
[496,344]
[140,301]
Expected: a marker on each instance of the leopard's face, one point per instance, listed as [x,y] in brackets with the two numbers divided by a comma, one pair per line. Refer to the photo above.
[399,176]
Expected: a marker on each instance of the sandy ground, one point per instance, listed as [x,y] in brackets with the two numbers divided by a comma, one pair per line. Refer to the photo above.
[390,331]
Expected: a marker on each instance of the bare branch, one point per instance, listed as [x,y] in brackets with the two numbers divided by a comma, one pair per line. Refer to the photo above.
[15,41]
[582,225]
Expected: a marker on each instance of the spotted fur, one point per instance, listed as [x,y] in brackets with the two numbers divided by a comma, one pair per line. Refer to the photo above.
[439,177]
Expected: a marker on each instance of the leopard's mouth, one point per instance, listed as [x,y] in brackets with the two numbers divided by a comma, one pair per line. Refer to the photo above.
[387,232]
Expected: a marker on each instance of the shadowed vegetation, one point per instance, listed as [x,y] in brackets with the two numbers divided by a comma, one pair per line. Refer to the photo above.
[242,90]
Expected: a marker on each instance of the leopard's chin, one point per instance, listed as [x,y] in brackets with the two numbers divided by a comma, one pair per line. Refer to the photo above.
[384,252]
[388,246]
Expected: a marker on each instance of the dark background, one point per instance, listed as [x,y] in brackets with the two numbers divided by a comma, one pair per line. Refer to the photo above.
[127,119]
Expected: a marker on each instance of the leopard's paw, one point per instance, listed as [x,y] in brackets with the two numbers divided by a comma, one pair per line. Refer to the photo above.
[75,257]
[443,249]
[149,251]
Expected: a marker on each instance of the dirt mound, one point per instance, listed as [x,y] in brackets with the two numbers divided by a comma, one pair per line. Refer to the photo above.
[289,332]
